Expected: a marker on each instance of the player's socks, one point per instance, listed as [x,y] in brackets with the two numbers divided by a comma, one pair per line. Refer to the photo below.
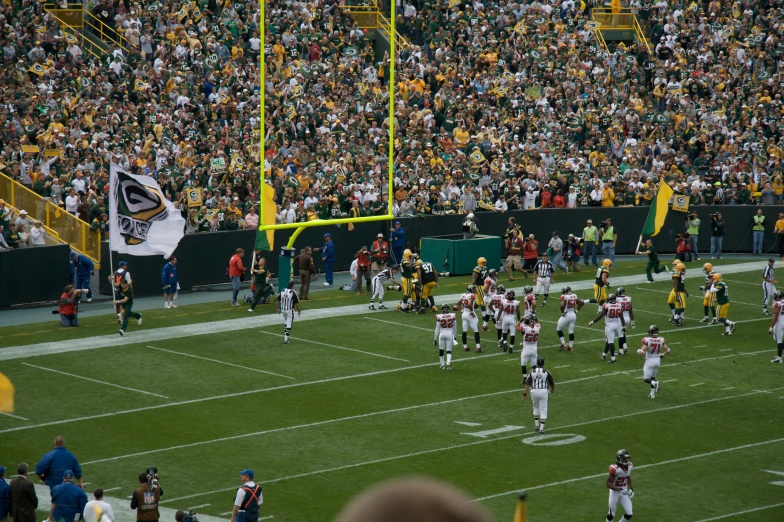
[706,310]
[541,424]
[525,372]
[672,310]
[465,339]
[476,339]
[780,348]
[498,331]
[560,336]
[511,340]
[441,356]
[448,357]
[536,423]
[545,299]
[571,340]
[504,336]
[432,301]
[484,322]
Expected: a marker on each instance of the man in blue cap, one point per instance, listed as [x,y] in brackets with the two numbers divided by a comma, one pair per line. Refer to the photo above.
[249,498]
[68,500]
[81,270]
[5,496]
[52,466]
[328,257]
[397,239]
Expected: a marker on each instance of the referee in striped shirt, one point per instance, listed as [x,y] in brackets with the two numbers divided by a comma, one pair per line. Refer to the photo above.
[288,302]
[540,384]
[543,276]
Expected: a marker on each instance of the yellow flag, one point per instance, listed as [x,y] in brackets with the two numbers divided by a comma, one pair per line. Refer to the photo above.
[6,395]
[658,212]
[680,203]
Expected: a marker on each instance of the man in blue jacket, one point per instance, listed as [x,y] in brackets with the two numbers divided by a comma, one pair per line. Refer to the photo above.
[68,500]
[5,496]
[169,280]
[397,239]
[328,257]
[53,465]
[81,270]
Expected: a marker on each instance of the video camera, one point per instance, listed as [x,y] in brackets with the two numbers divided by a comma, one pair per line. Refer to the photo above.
[152,478]
[190,516]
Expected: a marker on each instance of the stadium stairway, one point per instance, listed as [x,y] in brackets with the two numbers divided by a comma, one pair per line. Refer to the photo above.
[91,34]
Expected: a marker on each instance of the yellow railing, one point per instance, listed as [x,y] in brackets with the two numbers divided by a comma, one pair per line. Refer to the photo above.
[370,17]
[61,225]
[600,38]
[641,35]
[624,19]
[76,16]
[74,31]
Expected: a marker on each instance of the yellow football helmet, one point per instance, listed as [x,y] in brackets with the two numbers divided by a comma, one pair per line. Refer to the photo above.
[607,263]
[676,262]
[418,263]
[717,277]
[481,261]
[707,267]
[680,267]
[407,253]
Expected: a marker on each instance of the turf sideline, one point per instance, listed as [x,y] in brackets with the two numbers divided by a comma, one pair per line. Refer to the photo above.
[156,335]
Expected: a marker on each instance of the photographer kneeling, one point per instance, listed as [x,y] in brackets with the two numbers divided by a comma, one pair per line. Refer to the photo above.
[69,306]
[146,497]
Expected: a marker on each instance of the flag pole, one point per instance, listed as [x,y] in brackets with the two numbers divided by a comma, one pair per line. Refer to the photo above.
[521,514]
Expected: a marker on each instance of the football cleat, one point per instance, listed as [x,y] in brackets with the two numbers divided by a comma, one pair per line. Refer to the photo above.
[466,349]
[480,350]
[765,312]
[139,320]
[715,321]
[382,307]
[286,341]
[705,319]
[371,307]
[443,367]
[777,360]
[122,333]
[449,367]
[485,328]
[732,327]
[544,303]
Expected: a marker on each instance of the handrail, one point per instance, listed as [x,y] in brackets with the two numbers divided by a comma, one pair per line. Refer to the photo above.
[76,33]
[600,38]
[90,21]
[361,14]
[641,35]
[64,227]
[400,41]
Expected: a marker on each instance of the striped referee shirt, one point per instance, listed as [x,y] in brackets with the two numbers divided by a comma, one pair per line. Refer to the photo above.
[287,299]
[544,269]
[540,379]
[767,274]
[384,275]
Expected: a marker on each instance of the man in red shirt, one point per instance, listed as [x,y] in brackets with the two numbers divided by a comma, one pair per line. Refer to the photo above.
[237,274]
[530,253]
[363,269]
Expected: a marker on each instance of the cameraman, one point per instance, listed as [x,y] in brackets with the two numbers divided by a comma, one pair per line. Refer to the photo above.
[363,269]
[514,245]
[69,305]
[693,230]
[470,228]
[380,251]
[146,497]
[530,254]
[717,235]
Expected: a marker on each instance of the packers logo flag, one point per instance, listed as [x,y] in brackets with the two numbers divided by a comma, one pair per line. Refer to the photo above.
[265,240]
[536,55]
[6,395]
[680,203]
[351,52]
[37,69]
[194,196]
[592,25]
[477,156]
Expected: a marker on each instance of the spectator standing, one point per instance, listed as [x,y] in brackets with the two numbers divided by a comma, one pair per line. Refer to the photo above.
[53,465]
[609,239]
[779,231]
[328,257]
[24,501]
[90,514]
[306,270]
[556,246]
[38,235]
[363,269]
[467,200]
[758,231]
[590,243]
[68,500]
[69,306]
[693,229]
[397,238]
[237,274]
[145,500]
[170,281]
[717,235]
[6,504]
[514,246]
[380,254]
[530,254]
[248,499]
[81,270]
[126,301]
[252,219]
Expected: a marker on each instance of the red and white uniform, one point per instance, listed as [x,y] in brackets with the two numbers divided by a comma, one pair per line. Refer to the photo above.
[778,328]
[569,316]
[653,347]
[530,345]
[612,321]
[489,288]
[626,306]
[621,480]
[529,304]
[509,315]
[468,303]
[445,330]
[496,303]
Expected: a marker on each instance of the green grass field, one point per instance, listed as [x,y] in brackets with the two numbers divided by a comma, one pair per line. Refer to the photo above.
[358,397]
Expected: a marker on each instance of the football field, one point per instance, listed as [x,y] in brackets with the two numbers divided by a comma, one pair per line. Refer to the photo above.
[203,391]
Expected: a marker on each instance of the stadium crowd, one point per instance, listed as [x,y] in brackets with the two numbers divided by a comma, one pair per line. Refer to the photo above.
[499,105]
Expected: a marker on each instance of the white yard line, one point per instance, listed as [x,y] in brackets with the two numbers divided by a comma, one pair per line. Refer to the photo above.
[728,388]
[219,362]
[589,370]
[487,441]
[157,335]
[752,510]
[758,285]
[431,330]
[726,350]
[695,296]
[697,384]
[651,312]
[94,380]
[644,466]
[564,366]
[336,347]
[701,346]
[14,416]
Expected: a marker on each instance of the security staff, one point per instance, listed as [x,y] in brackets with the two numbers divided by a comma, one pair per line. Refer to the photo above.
[5,496]
[609,238]
[248,500]
[68,500]
[758,233]
[397,238]
[145,500]
[590,243]
[53,465]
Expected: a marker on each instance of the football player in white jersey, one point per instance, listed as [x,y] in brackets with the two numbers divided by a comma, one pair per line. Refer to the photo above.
[777,325]
[619,482]
[510,316]
[489,290]
[613,324]
[468,304]
[494,308]
[445,334]
[570,305]
[628,316]
[529,301]
[653,348]
[530,327]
